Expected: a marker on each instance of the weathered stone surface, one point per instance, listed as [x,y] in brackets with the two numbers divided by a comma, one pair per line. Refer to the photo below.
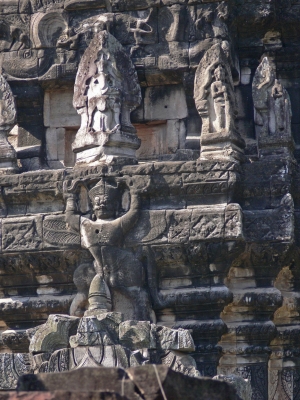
[106,91]
[211,246]
[12,366]
[8,114]
[242,386]
[54,334]
[84,380]
[62,395]
[169,339]
[171,385]
[272,109]
[149,381]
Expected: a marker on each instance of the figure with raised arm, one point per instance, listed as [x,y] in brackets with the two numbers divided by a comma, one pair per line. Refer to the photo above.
[119,283]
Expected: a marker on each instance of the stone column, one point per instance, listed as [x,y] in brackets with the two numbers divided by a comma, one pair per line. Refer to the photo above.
[284,364]
[245,346]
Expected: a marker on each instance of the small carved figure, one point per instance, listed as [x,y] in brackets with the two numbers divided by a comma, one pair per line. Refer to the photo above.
[282,108]
[272,104]
[106,92]
[142,28]
[219,95]
[119,278]
[215,101]
[102,100]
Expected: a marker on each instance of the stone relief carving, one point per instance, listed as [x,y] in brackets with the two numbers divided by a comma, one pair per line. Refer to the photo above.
[107,340]
[197,241]
[215,101]
[8,156]
[272,109]
[120,280]
[106,91]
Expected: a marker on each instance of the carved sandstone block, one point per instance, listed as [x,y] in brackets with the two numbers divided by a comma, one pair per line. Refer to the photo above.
[54,334]
[24,234]
[174,339]
[137,335]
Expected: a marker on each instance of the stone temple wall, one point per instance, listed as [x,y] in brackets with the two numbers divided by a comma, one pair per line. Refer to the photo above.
[154,144]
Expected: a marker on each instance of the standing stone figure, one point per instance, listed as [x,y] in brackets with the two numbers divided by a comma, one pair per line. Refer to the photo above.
[220,97]
[215,101]
[106,91]
[119,282]
[272,109]
[281,102]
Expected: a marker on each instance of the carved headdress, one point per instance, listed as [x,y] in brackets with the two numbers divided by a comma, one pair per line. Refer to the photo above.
[101,188]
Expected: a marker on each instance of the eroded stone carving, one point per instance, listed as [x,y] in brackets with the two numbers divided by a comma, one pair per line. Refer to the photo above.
[106,91]
[215,101]
[272,111]
[8,156]
[12,366]
[106,340]
[54,334]
[119,278]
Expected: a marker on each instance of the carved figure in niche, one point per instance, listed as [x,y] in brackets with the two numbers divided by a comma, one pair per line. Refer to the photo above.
[120,278]
[220,97]
[282,108]
[272,106]
[215,101]
[103,99]
[106,91]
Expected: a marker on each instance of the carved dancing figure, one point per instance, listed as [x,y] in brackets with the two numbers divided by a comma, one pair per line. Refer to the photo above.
[142,28]
[120,279]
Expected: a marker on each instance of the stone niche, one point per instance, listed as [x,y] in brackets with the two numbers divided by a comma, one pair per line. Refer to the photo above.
[61,122]
[160,122]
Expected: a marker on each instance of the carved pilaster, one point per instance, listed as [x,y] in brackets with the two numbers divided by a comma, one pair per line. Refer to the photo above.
[249,317]
[284,364]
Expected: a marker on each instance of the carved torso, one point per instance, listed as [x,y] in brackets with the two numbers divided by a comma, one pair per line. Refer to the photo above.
[101,233]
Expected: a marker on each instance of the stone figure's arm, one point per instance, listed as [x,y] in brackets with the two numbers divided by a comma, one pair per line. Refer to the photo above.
[72,216]
[130,218]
